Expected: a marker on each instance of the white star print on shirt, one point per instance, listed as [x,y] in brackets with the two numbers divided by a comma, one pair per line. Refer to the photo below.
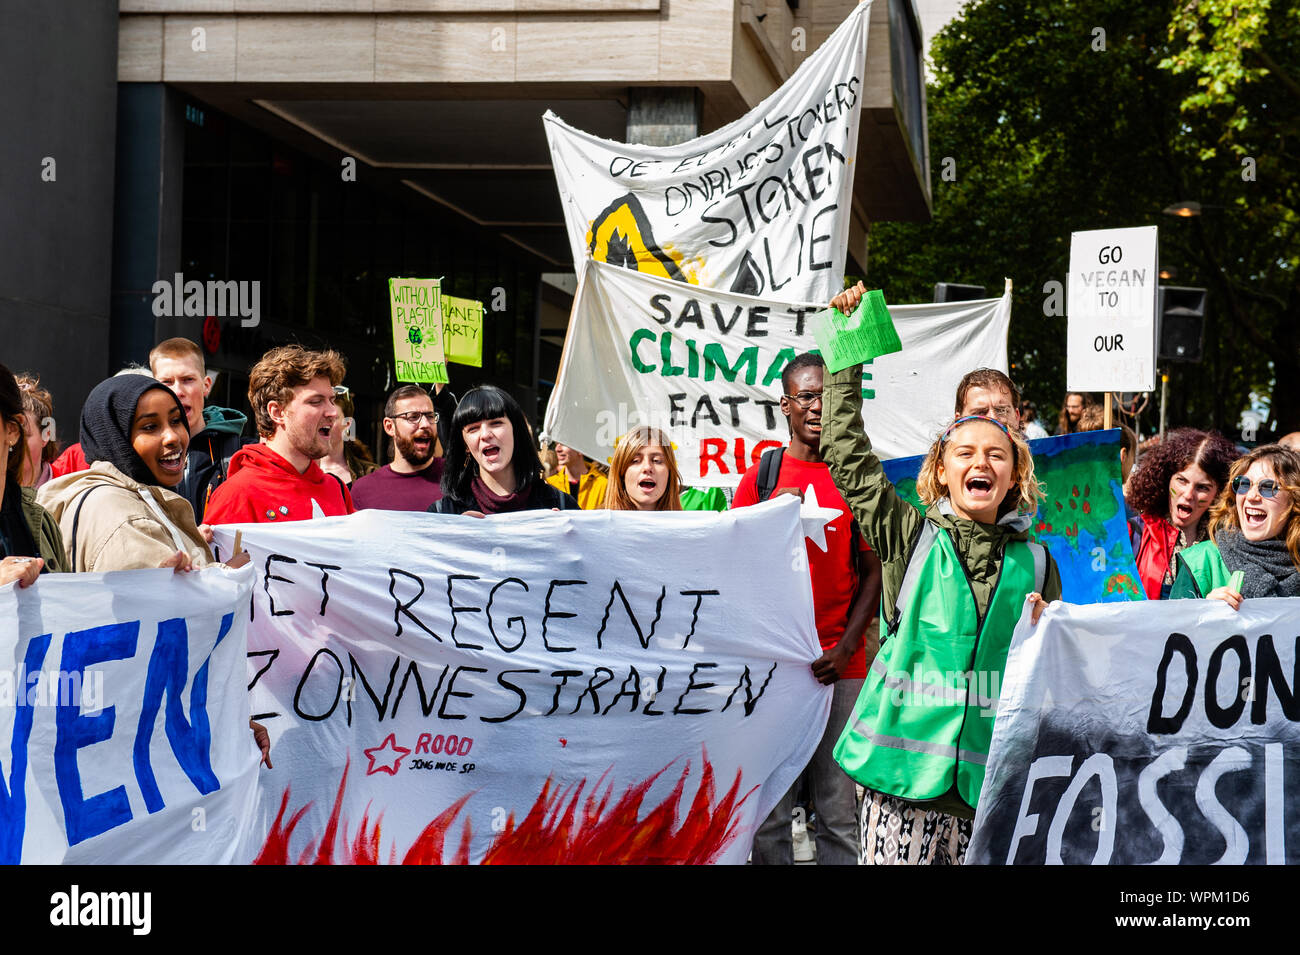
[815,518]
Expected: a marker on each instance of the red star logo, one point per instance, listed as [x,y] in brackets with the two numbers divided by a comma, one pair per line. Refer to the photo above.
[381,764]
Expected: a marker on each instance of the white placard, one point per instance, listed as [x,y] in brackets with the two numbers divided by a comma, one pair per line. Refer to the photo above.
[1111,342]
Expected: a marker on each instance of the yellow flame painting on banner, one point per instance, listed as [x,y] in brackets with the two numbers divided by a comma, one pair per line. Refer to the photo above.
[621,236]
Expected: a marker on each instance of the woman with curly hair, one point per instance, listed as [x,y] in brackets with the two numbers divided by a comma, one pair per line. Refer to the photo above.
[1172,493]
[1254,529]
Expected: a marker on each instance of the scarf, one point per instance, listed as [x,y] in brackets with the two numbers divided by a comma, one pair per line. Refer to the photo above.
[1269,569]
[106,424]
[492,503]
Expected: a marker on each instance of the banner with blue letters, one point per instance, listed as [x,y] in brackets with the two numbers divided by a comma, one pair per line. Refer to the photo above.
[124,714]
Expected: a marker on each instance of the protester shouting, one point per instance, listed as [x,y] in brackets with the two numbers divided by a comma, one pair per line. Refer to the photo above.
[581,477]
[291,391]
[956,578]
[492,463]
[413,481]
[846,593]
[1172,493]
[1254,528]
[643,475]
[30,541]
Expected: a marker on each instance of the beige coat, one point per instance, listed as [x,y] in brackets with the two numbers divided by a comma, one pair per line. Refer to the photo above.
[117,528]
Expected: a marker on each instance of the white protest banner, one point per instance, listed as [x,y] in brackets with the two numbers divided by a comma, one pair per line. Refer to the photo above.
[124,712]
[1156,732]
[760,206]
[450,689]
[706,367]
[1111,304]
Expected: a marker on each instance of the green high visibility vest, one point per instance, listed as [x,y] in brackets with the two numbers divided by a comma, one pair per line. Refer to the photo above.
[1207,566]
[921,726]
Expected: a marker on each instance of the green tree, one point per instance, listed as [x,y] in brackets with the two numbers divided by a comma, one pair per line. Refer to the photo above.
[1058,117]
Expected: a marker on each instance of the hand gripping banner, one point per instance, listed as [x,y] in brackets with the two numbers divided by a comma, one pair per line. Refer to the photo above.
[542,687]
[1161,732]
[760,206]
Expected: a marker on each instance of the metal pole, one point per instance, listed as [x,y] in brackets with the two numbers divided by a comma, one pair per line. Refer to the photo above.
[1164,400]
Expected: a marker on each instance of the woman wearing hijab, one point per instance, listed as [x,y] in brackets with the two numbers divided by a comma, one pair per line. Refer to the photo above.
[121,513]
[29,538]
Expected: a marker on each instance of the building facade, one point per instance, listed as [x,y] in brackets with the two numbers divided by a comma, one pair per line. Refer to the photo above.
[309,150]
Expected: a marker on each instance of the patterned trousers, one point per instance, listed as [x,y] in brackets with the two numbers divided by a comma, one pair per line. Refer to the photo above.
[896,832]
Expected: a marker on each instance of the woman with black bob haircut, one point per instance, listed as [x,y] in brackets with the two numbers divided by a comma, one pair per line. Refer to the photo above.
[492,462]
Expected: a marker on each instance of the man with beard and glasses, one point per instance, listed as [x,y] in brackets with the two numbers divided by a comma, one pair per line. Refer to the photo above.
[413,481]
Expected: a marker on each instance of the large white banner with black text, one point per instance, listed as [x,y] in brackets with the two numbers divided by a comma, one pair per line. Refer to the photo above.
[706,365]
[542,687]
[1147,733]
[759,206]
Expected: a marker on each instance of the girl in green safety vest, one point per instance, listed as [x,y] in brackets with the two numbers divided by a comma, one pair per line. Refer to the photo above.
[956,578]
[1254,528]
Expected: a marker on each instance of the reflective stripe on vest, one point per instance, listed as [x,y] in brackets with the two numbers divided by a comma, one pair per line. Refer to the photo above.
[922,723]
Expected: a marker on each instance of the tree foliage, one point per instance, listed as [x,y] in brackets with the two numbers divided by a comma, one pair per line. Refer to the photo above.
[1063,116]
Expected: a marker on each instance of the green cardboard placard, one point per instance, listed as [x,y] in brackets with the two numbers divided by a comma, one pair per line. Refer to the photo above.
[868,333]
[417,330]
[462,330]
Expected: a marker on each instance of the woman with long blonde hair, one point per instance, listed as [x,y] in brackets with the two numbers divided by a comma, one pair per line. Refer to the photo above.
[643,473]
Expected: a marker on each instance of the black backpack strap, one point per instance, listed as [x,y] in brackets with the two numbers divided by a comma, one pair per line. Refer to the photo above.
[76,519]
[769,472]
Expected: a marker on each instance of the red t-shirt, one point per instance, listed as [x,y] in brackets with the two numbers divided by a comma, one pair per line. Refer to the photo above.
[834,576]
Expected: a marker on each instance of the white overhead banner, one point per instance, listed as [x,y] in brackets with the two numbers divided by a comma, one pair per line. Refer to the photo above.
[706,366]
[124,718]
[1147,733]
[1111,309]
[449,689]
[760,206]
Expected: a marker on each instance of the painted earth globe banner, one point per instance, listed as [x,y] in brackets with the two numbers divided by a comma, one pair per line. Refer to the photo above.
[1162,732]
[760,206]
[705,366]
[544,687]
[1083,519]
[124,731]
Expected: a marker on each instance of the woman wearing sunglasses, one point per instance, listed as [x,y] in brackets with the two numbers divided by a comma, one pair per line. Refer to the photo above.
[1254,528]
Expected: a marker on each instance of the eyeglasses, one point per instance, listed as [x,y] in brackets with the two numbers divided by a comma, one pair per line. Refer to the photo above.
[805,399]
[1267,488]
[416,418]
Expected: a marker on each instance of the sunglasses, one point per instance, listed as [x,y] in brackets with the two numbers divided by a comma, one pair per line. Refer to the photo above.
[1267,488]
